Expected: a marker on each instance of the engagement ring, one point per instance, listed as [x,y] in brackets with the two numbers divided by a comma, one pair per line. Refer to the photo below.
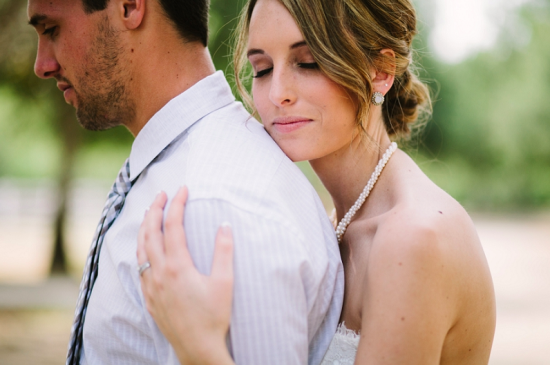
[143,267]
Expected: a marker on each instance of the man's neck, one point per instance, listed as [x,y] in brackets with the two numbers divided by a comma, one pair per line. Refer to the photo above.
[161,70]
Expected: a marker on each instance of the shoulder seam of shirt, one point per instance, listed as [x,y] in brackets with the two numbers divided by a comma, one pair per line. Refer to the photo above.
[273,219]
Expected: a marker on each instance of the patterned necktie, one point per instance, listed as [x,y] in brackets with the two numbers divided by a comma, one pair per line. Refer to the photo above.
[112,208]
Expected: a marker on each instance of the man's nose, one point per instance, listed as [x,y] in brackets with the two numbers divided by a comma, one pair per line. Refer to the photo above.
[46,65]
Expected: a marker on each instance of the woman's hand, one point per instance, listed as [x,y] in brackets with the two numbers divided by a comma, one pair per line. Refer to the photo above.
[192,310]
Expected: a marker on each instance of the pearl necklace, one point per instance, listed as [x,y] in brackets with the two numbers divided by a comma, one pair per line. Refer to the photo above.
[343,225]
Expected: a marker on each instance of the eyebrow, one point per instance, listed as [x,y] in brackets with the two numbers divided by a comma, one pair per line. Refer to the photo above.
[298,45]
[37,19]
[254,51]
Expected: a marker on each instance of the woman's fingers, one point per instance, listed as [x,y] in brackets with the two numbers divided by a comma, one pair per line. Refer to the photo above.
[141,255]
[151,232]
[176,244]
[222,264]
[221,280]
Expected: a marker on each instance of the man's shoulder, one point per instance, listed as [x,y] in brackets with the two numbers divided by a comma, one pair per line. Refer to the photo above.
[231,131]
[233,146]
[228,155]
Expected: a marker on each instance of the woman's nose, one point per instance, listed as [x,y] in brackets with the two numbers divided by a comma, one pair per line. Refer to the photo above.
[282,91]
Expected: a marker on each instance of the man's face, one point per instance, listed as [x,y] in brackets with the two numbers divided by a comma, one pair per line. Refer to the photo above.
[83,52]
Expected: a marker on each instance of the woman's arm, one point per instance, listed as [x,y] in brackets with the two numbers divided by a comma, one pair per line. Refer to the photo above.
[409,303]
[192,310]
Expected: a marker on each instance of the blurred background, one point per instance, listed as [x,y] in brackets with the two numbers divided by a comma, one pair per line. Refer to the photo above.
[488,145]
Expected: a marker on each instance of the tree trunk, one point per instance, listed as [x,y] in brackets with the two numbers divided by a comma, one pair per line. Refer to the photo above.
[71,135]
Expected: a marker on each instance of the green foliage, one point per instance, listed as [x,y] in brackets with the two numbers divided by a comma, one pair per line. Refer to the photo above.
[18,157]
[491,122]
[223,21]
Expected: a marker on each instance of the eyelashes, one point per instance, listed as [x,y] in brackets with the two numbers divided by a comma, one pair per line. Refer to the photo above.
[49,31]
[263,72]
[307,66]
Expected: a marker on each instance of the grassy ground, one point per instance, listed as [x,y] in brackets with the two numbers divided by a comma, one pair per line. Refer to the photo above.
[37,336]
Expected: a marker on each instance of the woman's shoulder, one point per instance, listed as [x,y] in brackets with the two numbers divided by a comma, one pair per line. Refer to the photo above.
[429,230]
[431,251]
[426,249]
[433,247]
[423,214]
[426,216]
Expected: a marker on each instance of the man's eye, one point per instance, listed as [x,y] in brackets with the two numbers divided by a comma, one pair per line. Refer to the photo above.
[49,31]
[263,72]
[309,66]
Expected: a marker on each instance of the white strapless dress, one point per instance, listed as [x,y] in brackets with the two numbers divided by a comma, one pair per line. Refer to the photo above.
[343,347]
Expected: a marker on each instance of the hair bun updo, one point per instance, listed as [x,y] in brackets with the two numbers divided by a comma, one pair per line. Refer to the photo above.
[405,102]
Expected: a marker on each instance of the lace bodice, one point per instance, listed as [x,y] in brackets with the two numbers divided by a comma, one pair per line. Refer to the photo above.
[343,347]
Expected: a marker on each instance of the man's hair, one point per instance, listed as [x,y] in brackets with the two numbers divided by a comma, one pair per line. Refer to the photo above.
[190,17]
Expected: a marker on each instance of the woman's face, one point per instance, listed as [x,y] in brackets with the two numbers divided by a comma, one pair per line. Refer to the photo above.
[306,113]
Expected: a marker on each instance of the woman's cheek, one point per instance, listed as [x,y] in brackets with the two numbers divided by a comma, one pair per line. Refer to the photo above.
[261,101]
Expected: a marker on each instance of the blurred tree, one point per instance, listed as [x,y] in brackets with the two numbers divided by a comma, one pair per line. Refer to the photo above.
[223,21]
[492,115]
[16,70]
[18,45]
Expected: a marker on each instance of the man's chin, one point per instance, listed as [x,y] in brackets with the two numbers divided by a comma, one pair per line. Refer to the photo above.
[94,123]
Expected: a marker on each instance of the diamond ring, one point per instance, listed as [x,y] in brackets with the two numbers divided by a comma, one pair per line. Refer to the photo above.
[143,267]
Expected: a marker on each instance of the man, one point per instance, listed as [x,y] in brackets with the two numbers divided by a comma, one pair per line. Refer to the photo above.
[144,64]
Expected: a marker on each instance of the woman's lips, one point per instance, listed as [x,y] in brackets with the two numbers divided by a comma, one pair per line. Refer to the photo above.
[289,124]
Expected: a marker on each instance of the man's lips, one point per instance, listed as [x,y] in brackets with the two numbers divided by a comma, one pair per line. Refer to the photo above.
[289,124]
[66,90]
[63,86]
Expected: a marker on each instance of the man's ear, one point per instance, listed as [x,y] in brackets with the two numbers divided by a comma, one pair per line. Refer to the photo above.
[132,12]
[382,81]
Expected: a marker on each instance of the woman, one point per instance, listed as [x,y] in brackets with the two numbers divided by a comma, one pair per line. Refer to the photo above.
[332,83]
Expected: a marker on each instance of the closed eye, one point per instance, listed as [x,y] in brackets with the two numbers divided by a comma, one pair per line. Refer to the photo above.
[309,66]
[263,72]
[49,31]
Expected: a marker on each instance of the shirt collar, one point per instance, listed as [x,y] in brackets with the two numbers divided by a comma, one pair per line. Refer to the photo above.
[180,113]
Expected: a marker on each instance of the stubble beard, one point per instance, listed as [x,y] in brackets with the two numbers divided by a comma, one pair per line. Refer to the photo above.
[103,99]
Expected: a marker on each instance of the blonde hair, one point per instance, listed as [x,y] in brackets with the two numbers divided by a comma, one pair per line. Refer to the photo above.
[345,38]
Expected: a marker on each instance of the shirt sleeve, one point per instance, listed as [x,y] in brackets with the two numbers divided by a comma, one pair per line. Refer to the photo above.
[279,282]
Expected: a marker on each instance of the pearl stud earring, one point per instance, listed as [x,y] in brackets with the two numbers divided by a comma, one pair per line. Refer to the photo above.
[377,98]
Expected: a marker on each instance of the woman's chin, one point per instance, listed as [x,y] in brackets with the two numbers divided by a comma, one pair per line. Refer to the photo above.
[298,147]
[298,153]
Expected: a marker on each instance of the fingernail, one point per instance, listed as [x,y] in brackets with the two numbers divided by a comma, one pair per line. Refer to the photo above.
[158,193]
[226,228]
[146,211]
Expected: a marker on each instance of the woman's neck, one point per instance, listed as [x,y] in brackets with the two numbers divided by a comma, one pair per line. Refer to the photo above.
[345,172]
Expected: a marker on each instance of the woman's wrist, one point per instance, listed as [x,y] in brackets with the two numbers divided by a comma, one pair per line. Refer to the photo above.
[206,352]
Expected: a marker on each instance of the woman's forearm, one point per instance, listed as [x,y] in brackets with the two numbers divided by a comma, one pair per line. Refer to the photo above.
[208,353]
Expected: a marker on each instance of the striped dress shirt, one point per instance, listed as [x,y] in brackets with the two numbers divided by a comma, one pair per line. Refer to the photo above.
[288,274]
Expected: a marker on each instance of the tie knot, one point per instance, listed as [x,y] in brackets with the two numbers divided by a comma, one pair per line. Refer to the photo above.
[122,183]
